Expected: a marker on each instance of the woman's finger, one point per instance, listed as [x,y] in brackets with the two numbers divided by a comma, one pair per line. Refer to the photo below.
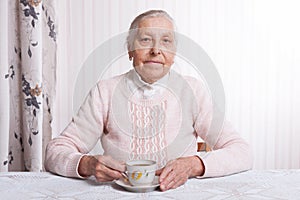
[111,163]
[168,168]
[159,171]
[179,181]
[169,186]
[105,173]
[101,177]
[169,181]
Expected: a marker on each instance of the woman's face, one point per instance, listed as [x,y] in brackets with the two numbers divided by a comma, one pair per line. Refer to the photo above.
[153,48]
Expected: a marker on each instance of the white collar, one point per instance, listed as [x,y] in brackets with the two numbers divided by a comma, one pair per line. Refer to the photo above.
[146,90]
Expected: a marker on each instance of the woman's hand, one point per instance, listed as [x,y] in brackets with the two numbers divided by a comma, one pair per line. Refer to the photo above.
[177,172]
[104,168]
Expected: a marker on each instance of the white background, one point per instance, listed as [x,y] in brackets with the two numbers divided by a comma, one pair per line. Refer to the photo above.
[254,44]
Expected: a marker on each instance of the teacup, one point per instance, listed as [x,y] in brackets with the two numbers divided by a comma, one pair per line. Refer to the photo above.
[141,172]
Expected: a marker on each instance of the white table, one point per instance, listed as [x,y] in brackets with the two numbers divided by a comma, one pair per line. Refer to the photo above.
[271,184]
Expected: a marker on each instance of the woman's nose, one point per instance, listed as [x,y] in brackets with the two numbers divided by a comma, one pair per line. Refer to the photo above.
[155,50]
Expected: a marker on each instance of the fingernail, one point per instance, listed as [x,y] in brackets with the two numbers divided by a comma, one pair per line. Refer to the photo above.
[162,187]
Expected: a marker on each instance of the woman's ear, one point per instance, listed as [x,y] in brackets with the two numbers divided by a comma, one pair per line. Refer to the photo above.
[130,54]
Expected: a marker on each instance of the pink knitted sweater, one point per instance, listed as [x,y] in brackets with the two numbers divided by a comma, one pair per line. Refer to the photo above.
[136,120]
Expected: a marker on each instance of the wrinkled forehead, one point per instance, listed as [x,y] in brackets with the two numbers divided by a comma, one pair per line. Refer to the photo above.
[153,31]
[156,25]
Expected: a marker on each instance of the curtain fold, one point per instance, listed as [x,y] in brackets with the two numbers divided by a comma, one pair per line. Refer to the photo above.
[31,77]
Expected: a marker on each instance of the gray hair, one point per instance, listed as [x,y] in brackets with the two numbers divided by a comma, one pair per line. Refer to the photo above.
[135,24]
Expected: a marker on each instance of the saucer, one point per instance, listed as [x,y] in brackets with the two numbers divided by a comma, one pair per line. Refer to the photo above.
[143,188]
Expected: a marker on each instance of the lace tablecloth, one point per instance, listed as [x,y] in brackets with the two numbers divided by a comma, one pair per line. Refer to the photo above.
[275,184]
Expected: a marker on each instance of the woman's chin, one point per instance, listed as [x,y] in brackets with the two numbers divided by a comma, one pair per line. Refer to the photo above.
[153,77]
[154,66]
[152,72]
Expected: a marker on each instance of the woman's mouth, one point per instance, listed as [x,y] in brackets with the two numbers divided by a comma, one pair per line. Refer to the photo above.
[153,62]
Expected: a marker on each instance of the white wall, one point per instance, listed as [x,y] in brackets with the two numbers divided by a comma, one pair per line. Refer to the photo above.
[254,44]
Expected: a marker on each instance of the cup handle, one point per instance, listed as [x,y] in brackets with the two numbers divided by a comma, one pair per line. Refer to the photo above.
[124,174]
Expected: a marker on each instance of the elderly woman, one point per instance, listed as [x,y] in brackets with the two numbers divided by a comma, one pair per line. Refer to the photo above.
[150,112]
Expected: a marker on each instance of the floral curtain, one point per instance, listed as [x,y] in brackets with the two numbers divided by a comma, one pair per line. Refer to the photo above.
[31,77]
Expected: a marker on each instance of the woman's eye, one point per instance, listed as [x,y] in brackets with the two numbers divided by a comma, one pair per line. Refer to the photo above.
[167,41]
[145,39]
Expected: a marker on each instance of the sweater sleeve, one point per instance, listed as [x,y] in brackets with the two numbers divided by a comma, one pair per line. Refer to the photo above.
[230,153]
[80,136]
